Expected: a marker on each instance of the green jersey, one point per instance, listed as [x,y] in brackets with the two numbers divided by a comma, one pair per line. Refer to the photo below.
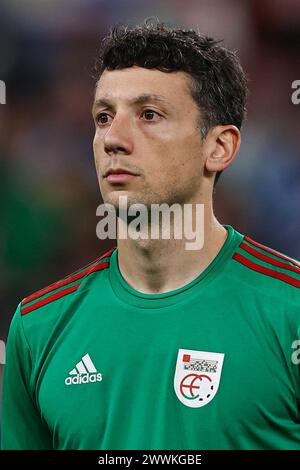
[92,363]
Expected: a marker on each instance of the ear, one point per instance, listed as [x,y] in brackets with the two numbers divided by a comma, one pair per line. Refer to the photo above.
[223,143]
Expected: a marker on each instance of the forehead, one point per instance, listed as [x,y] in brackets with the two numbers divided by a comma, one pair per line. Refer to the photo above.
[125,84]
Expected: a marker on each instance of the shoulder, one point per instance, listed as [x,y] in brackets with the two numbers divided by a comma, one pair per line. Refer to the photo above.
[267,268]
[65,287]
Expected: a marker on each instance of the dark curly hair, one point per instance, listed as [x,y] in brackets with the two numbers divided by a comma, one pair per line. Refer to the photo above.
[218,85]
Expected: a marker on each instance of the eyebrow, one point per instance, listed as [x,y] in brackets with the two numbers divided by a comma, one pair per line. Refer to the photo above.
[138,100]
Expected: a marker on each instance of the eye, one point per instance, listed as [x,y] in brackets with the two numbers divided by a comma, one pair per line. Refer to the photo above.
[148,113]
[101,118]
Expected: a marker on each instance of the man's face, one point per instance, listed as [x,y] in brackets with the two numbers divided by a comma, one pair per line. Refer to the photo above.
[155,138]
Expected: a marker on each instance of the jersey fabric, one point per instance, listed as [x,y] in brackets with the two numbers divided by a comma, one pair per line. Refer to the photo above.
[92,363]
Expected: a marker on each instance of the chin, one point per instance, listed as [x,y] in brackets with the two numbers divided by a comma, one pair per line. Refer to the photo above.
[113,199]
[146,198]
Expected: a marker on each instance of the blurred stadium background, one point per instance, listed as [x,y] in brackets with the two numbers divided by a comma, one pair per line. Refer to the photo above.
[49,191]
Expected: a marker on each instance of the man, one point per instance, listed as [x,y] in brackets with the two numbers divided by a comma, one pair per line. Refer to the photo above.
[152,345]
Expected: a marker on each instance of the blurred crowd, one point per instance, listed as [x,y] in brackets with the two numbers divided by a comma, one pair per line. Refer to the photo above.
[49,190]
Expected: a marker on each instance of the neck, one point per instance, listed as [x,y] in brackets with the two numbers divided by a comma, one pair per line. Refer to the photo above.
[154,266]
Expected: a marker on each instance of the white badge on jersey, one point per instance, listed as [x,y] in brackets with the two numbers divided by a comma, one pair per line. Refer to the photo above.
[197,376]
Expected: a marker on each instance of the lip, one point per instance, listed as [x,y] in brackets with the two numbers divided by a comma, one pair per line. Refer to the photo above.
[119,175]
[118,171]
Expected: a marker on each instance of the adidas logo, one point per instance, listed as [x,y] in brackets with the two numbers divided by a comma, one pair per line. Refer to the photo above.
[84,372]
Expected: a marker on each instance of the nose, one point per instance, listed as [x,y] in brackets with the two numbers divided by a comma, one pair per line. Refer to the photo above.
[118,138]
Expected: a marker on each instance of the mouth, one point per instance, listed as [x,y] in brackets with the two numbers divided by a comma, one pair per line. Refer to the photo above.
[119,175]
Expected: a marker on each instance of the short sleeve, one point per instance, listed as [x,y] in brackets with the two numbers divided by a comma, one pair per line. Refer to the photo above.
[22,426]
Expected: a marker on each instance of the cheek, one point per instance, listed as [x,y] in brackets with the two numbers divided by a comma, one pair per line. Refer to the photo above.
[96,143]
[182,167]
[190,155]
[96,156]
[162,161]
